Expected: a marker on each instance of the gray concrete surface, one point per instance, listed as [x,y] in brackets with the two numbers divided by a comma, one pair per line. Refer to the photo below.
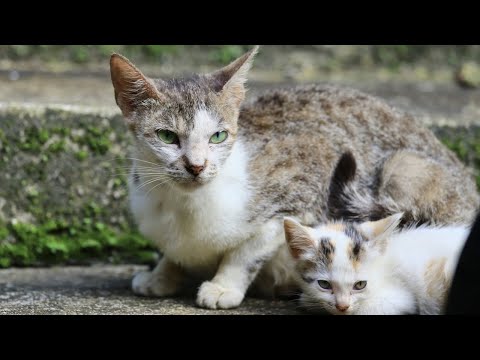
[103,290]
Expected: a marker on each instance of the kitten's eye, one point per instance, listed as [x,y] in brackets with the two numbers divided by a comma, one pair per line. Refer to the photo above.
[359,285]
[324,284]
[167,136]
[218,137]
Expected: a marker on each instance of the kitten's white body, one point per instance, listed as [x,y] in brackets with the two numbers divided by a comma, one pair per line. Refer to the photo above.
[423,260]
[406,272]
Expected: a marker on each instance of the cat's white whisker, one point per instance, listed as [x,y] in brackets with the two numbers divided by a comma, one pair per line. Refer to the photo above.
[143,161]
[152,180]
[160,184]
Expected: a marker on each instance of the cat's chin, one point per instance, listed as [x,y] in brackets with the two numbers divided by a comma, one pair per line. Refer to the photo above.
[189,186]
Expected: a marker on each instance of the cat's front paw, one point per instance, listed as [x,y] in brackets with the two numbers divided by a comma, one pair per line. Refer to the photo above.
[148,283]
[215,296]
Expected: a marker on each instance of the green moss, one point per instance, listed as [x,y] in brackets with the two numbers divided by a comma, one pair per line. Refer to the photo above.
[57,146]
[81,155]
[60,242]
[2,135]
[465,142]
[62,131]
[96,139]
[3,232]
[34,139]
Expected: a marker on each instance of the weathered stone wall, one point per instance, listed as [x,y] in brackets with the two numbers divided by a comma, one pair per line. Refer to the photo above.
[63,195]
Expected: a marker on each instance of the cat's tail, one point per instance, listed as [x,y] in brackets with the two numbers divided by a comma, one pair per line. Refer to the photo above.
[350,198]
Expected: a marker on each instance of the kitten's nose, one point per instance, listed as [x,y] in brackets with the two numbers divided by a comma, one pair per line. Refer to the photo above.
[194,169]
[342,307]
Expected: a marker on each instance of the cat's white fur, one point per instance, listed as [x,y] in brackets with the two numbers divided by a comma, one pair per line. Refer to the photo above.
[189,228]
[203,229]
[407,272]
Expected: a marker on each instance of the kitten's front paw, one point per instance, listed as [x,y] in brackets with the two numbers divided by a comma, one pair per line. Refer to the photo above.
[147,283]
[214,296]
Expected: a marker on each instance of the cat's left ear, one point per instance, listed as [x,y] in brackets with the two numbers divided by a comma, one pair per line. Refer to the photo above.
[379,231]
[298,238]
[229,81]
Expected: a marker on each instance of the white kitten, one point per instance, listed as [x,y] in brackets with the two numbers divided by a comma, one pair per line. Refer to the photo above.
[368,268]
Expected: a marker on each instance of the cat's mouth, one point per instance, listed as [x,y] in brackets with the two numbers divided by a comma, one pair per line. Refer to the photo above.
[191,183]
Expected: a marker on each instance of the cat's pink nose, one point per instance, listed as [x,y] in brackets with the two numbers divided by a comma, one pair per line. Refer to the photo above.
[342,308]
[195,169]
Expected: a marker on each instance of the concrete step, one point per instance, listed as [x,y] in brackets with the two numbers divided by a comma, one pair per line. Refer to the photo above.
[103,290]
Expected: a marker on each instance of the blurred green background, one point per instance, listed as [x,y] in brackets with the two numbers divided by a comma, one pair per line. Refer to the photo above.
[63,144]
[347,55]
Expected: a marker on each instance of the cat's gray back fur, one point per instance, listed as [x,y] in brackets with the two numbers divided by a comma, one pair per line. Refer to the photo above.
[296,136]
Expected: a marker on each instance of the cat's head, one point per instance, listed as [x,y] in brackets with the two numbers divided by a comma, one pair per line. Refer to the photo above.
[185,128]
[335,262]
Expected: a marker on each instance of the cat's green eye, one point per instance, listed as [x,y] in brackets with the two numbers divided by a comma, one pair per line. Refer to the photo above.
[360,285]
[167,136]
[324,284]
[218,137]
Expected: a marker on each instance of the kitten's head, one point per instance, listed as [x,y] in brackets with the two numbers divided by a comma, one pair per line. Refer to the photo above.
[335,262]
[185,128]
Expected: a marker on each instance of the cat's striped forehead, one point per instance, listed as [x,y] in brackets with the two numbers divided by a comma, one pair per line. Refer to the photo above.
[339,243]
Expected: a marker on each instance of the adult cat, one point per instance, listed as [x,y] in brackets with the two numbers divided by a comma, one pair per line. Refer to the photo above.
[212,194]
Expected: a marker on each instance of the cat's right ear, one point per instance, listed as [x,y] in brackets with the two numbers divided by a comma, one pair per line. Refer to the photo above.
[298,238]
[131,86]
[379,231]
[230,80]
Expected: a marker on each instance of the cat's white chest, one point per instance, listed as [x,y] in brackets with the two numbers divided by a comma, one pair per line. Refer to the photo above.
[195,229]
[196,233]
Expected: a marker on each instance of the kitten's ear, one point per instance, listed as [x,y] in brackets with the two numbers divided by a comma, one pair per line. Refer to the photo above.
[131,86]
[297,236]
[379,231]
[229,81]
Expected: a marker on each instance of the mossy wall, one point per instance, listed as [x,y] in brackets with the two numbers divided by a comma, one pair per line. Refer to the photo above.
[63,196]
[63,189]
